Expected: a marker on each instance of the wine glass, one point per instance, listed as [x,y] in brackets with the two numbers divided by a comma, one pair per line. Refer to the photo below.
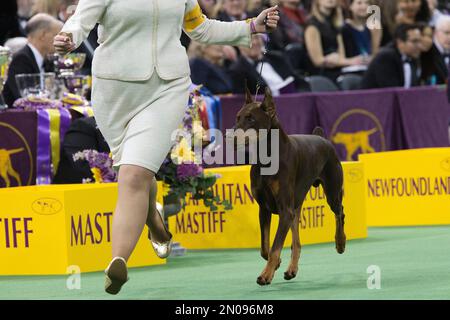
[5,61]
[40,85]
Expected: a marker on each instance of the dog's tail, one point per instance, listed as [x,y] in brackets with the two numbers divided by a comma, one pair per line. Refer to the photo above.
[318,131]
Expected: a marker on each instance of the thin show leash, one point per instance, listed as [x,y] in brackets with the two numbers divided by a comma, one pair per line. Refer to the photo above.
[258,83]
[266,41]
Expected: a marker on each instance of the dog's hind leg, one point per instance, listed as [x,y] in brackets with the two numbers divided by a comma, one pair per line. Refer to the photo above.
[340,238]
[15,175]
[264,222]
[292,270]
[4,175]
[286,220]
[332,185]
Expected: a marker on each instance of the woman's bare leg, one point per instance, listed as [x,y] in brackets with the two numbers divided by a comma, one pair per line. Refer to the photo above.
[154,221]
[132,207]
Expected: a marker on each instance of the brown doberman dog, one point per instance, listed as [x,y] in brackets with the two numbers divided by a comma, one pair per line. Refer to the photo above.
[304,161]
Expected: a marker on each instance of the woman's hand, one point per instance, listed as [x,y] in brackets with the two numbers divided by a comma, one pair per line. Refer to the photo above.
[63,43]
[267,20]
[356,61]
[332,60]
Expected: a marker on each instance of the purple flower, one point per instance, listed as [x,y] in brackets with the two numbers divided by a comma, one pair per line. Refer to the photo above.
[99,160]
[188,170]
[36,103]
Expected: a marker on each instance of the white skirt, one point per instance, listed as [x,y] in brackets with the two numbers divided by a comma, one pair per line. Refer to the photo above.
[138,118]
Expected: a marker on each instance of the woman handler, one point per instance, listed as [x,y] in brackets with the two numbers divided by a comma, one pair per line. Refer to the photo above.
[140,91]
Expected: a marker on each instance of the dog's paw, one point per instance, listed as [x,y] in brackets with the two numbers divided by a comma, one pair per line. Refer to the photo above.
[265,278]
[340,246]
[290,273]
[262,281]
[340,249]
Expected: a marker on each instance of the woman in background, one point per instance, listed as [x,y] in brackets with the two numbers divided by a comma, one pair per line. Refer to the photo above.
[413,11]
[358,39]
[323,40]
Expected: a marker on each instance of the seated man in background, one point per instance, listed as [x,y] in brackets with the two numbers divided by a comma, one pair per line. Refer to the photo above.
[207,68]
[436,62]
[397,65]
[233,10]
[275,73]
[41,30]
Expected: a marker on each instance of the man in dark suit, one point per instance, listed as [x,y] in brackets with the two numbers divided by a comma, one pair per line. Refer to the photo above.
[276,72]
[397,65]
[41,30]
[436,62]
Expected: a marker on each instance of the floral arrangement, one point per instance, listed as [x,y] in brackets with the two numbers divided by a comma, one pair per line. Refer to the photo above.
[100,164]
[182,172]
[35,102]
[69,100]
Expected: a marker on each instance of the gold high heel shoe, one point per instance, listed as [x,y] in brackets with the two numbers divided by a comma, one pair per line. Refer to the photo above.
[116,275]
[162,249]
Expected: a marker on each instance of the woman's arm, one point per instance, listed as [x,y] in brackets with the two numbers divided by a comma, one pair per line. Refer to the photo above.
[343,60]
[87,14]
[198,27]
[314,46]
[333,60]
[377,35]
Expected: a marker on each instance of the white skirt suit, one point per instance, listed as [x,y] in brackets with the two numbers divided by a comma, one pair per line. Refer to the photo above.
[141,71]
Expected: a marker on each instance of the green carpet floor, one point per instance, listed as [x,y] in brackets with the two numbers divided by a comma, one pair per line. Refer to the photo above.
[414,264]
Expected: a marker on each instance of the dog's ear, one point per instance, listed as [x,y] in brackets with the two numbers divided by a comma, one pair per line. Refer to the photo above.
[248,94]
[268,105]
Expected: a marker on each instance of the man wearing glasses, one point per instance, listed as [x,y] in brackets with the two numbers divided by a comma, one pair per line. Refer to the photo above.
[398,64]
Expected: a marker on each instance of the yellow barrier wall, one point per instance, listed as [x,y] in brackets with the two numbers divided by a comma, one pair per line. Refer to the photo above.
[405,188]
[199,228]
[46,229]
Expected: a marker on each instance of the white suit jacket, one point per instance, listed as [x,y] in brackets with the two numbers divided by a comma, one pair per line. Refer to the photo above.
[137,37]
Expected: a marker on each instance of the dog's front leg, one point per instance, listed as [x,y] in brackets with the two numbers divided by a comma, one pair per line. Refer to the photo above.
[292,270]
[265,216]
[286,220]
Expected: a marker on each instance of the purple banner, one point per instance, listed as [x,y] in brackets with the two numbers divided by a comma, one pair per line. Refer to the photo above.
[356,125]
[363,121]
[43,159]
[22,134]
[296,112]
[425,116]
[66,120]
[17,148]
